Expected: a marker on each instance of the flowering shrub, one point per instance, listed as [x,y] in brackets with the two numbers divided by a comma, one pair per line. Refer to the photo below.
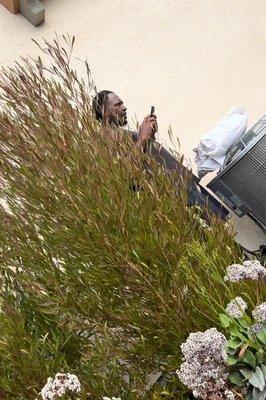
[203,369]
[246,347]
[59,386]
[248,270]
[236,308]
[259,313]
[246,351]
[215,367]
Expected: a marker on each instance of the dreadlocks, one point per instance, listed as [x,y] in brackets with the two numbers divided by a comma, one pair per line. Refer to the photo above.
[99,102]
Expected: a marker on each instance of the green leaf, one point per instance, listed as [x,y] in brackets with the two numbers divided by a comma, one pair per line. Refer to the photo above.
[263,369]
[243,322]
[247,373]
[231,360]
[258,395]
[261,335]
[234,343]
[259,356]
[249,359]
[135,254]
[225,320]
[235,332]
[236,378]
[257,379]
[230,351]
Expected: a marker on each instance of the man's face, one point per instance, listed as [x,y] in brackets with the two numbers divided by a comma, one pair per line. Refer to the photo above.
[115,110]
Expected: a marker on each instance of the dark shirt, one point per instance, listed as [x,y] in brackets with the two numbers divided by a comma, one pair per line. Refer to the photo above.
[197,194]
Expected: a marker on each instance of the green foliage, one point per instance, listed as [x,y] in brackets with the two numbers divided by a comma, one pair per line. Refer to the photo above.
[97,279]
[246,356]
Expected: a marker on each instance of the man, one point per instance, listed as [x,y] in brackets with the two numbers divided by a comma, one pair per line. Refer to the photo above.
[111,111]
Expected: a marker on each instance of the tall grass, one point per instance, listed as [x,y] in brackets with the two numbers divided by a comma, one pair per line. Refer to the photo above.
[97,279]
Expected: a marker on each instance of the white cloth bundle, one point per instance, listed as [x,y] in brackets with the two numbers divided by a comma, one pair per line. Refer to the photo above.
[212,148]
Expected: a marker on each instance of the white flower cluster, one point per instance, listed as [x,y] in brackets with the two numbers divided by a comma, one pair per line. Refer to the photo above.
[203,368]
[259,313]
[59,386]
[229,395]
[249,270]
[236,308]
[111,398]
[256,328]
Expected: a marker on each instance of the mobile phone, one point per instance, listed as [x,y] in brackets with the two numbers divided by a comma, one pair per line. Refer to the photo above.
[152,137]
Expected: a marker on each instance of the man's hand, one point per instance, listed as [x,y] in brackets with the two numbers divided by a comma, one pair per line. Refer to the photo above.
[147,129]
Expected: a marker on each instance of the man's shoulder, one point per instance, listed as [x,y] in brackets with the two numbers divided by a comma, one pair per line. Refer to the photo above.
[132,133]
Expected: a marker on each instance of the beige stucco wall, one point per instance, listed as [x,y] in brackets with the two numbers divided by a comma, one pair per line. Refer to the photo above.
[192,59]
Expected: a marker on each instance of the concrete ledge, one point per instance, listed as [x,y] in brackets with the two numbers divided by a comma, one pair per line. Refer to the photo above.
[11,5]
[33,11]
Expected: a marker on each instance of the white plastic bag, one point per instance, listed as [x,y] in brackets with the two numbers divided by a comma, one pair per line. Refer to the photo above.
[212,148]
